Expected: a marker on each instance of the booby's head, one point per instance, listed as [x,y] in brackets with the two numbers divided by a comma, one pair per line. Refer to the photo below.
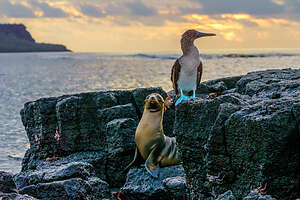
[191,35]
[154,103]
[188,38]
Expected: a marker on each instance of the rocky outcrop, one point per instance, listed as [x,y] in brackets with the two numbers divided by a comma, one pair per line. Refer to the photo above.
[8,188]
[15,38]
[17,30]
[246,136]
[81,140]
[242,143]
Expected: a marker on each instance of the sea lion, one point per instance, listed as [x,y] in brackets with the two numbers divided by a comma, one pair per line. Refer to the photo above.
[156,149]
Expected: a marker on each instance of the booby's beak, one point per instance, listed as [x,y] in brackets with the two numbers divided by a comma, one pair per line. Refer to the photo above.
[205,34]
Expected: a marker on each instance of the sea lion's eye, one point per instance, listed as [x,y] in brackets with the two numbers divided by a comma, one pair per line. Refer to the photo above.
[159,98]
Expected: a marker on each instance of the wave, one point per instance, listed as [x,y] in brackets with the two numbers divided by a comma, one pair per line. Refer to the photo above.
[53,56]
[259,55]
[14,157]
[156,56]
[213,56]
[67,56]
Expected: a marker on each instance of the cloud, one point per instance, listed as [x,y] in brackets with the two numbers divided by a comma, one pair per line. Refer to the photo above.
[293,7]
[49,11]
[255,7]
[92,11]
[154,13]
[157,24]
[279,2]
[139,9]
[15,10]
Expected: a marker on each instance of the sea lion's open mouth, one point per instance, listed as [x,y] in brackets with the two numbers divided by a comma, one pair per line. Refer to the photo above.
[154,110]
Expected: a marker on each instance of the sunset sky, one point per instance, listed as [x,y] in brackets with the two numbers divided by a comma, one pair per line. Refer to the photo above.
[157,25]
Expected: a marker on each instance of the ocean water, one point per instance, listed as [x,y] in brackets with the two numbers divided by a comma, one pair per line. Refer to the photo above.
[29,76]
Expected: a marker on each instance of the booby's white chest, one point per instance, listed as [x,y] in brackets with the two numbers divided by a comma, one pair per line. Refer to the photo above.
[188,72]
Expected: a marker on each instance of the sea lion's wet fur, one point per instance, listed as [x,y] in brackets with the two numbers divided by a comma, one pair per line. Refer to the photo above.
[156,149]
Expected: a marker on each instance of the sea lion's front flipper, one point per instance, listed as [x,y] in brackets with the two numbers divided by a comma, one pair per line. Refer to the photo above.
[152,163]
[136,159]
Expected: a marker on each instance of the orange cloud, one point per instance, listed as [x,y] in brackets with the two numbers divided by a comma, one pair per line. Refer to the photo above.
[227,26]
[221,26]
[278,2]
[169,11]
[234,27]
[236,16]
[231,36]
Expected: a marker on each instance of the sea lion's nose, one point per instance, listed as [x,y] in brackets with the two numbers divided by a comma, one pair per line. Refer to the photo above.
[152,98]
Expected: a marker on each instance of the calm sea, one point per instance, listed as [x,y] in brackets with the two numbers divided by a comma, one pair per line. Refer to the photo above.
[29,76]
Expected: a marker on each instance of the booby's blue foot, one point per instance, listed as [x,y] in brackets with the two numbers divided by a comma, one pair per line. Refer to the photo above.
[180,99]
[194,94]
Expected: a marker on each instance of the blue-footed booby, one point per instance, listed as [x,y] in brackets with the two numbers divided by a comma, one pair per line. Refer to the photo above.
[187,70]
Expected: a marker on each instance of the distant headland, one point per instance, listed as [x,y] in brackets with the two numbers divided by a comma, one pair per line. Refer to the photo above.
[15,38]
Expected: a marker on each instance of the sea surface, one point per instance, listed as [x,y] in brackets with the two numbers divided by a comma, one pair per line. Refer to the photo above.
[29,76]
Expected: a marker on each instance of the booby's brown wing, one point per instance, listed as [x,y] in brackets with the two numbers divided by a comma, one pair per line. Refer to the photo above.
[175,75]
[199,74]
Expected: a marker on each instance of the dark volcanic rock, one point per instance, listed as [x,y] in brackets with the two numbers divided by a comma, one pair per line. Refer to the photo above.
[74,188]
[7,184]
[219,85]
[140,185]
[8,188]
[65,125]
[54,172]
[254,195]
[247,135]
[15,196]
[226,196]
[176,187]
[96,159]
[120,147]
[75,180]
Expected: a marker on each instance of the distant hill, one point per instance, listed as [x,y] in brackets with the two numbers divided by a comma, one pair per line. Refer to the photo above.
[15,38]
